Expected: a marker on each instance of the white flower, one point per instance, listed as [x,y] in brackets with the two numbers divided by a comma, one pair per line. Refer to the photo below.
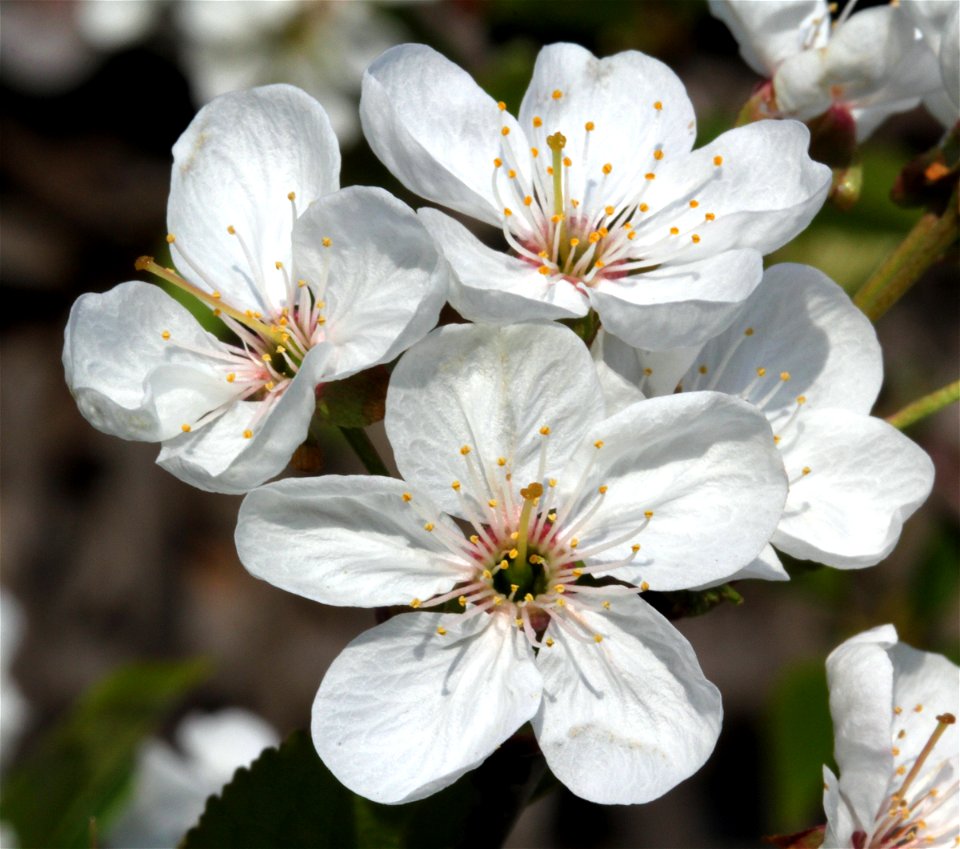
[171,786]
[315,284]
[895,740]
[504,432]
[871,65]
[13,705]
[809,360]
[939,21]
[595,188]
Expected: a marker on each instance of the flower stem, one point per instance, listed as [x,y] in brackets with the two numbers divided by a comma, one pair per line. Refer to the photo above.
[930,238]
[365,449]
[926,406]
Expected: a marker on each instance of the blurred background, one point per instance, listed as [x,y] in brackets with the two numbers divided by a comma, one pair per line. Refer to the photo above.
[112,560]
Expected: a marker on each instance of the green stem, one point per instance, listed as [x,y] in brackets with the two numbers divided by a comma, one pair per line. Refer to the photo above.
[930,238]
[926,406]
[365,450]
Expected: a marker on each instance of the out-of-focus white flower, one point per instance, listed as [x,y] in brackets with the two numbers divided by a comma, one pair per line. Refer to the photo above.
[869,65]
[895,740]
[505,431]
[317,284]
[171,785]
[939,21]
[321,46]
[13,706]
[599,197]
[803,354]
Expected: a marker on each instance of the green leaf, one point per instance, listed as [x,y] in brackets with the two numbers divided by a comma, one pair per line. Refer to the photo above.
[799,741]
[288,798]
[355,402]
[79,772]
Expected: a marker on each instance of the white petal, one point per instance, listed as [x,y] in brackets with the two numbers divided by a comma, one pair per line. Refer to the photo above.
[677,305]
[800,323]
[345,541]
[860,676]
[865,479]
[111,26]
[705,465]
[385,281]
[654,372]
[405,711]
[765,191]
[799,85]
[435,129]
[494,287]
[118,365]
[491,389]
[624,720]
[840,819]
[768,32]
[218,457]
[767,567]
[617,95]
[235,165]
[618,392]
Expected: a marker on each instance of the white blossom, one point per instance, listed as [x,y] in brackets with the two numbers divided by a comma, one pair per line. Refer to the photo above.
[894,714]
[600,199]
[804,355]
[521,495]
[315,284]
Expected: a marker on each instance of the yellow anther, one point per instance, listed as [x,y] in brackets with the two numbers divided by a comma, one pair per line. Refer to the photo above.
[171,238]
[462,601]
[165,334]
[498,162]
[801,400]
[635,547]
[644,586]
[574,242]
[292,196]
[658,105]
[589,126]
[415,603]
[514,588]
[898,710]
[594,237]
[217,311]
[528,597]
[266,357]
[599,264]
[748,332]
[407,497]
[544,270]
[559,588]
[556,218]
[718,160]
[650,176]
[604,232]
[301,283]
[695,239]
[761,371]
[492,502]
[609,210]
[805,470]
[607,168]
[606,605]
[281,350]
[487,574]
[658,154]
[902,734]
[631,235]
[901,770]
[534,152]
[597,638]
[215,294]
[548,642]
[511,174]
[527,200]
[519,622]
[248,434]
[498,600]
[503,564]
[278,265]
[918,708]
[574,542]
[648,514]
[326,241]
[501,105]
[574,203]
[512,554]
[232,230]
[674,231]
[643,207]
[501,461]
[504,131]
[269,386]
[895,751]
[694,204]
[647,372]
[545,431]
[231,377]
[507,211]
[465,449]
[709,216]
[784,376]
[561,602]
[577,573]
[455,486]
[702,369]
[552,482]
[474,539]
[598,444]
[441,631]
[602,489]
[777,438]
[557,94]
[428,526]
[567,161]
[185,428]
[515,535]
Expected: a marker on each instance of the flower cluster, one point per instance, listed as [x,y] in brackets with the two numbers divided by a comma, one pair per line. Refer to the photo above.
[721,412]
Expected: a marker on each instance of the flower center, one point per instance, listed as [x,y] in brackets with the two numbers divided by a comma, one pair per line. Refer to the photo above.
[583,227]
[270,343]
[913,814]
